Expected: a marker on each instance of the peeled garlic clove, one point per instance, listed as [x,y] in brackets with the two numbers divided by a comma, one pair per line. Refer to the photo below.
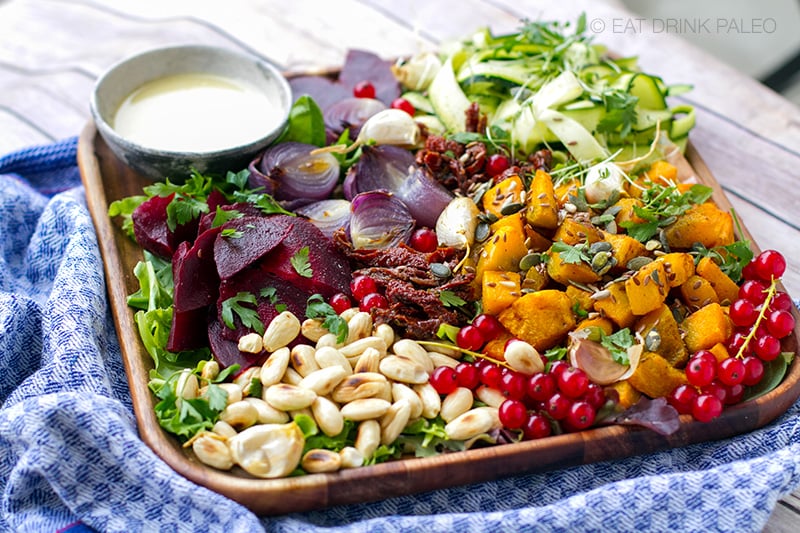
[418,72]
[268,450]
[456,225]
[602,180]
[390,126]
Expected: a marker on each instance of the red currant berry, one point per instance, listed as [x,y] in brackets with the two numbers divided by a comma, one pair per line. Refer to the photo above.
[581,415]
[767,347]
[361,286]
[470,338]
[769,264]
[537,427]
[731,371]
[715,388]
[489,326]
[743,313]
[781,300]
[557,367]
[749,271]
[682,398]
[424,240]
[340,302]
[467,375]
[702,368]
[364,89]
[558,406]
[491,376]
[736,342]
[512,414]
[514,385]
[573,382]
[497,164]
[541,386]
[706,407]
[444,379]
[780,323]
[753,370]
[373,300]
[753,290]
[735,394]
[403,105]
[594,396]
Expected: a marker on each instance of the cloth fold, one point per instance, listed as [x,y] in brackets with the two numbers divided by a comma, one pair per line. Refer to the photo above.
[71,454]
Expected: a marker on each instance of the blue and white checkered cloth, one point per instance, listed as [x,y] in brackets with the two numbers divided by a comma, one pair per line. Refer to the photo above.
[70,457]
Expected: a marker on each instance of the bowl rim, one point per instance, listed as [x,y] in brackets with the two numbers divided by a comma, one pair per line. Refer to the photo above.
[107,130]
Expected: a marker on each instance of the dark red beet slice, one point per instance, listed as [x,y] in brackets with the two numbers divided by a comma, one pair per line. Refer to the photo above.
[216,198]
[330,271]
[151,230]
[194,273]
[360,65]
[244,208]
[257,237]
[189,330]
[227,351]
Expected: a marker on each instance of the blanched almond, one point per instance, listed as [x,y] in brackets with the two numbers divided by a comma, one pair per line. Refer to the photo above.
[289,397]
[281,330]
[365,409]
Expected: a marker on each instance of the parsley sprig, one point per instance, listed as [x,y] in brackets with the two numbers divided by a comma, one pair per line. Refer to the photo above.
[300,263]
[249,317]
[317,307]
[662,205]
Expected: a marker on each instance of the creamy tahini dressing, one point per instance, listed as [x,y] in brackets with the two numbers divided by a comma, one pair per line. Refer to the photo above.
[195,112]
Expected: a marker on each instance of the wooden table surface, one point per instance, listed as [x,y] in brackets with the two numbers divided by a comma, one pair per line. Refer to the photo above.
[51,51]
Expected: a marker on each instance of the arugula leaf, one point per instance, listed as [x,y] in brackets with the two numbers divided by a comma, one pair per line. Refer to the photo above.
[450,299]
[570,254]
[317,307]
[306,123]
[300,263]
[249,317]
[124,208]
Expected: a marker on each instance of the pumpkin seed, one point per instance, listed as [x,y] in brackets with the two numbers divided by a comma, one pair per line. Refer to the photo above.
[482,232]
[530,261]
[652,341]
[600,246]
[510,208]
[441,270]
[638,262]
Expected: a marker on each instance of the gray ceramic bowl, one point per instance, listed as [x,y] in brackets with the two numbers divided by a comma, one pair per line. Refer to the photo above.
[122,79]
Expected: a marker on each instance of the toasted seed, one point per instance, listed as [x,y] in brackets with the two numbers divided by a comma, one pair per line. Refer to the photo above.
[472,423]
[274,367]
[303,359]
[638,262]
[358,327]
[441,270]
[289,397]
[511,208]
[404,392]
[281,330]
[439,359]
[413,350]
[327,415]
[529,261]
[394,421]
[251,343]
[358,386]
[351,457]
[652,341]
[490,396]
[365,409]
[266,413]
[323,381]
[368,437]
[356,348]
[523,357]
[600,246]
[456,403]
[385,332]
[240,415]
[312,329]
[431,401]
[319,460]
[652,244]
[403,369]
[212,451]
[482,232]
[329,356]
[223,429]
[368,361]
[233,391]
[210,371]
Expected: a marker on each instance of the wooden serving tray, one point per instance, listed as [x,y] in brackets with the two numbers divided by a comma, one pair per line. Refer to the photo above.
[106,179]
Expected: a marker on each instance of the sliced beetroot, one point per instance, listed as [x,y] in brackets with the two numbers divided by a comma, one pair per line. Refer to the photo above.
[329,270]
[244,208]
[255,237]
[215,199]
[189,330]
[361,65]
[323,90]
[151,230]
[194,273]
[227,351]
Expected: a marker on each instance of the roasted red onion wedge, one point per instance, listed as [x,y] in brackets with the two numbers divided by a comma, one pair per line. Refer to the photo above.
[327,215]
[379,219]
[297,173]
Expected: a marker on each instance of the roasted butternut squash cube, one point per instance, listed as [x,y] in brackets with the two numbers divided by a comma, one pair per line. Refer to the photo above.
[603,323]
[506,192]
[647,288]
[678,266]
[662,173]
[704,223]
[541,318]
[499,290]
[670,344]
[542,207]
[572,232]
[616,305]
[563,272]
[536,278]
[496,347]
[720,352]
[706,327]
[580,298]
[655,377]
[565,189]
[624,248]
[503,250]
[697,292]
[627,395]
[626,212]
[535,241]
[726,289]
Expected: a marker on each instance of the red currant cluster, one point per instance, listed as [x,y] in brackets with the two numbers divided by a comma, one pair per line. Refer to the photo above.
[365,291]
[761,316]
[365,89]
